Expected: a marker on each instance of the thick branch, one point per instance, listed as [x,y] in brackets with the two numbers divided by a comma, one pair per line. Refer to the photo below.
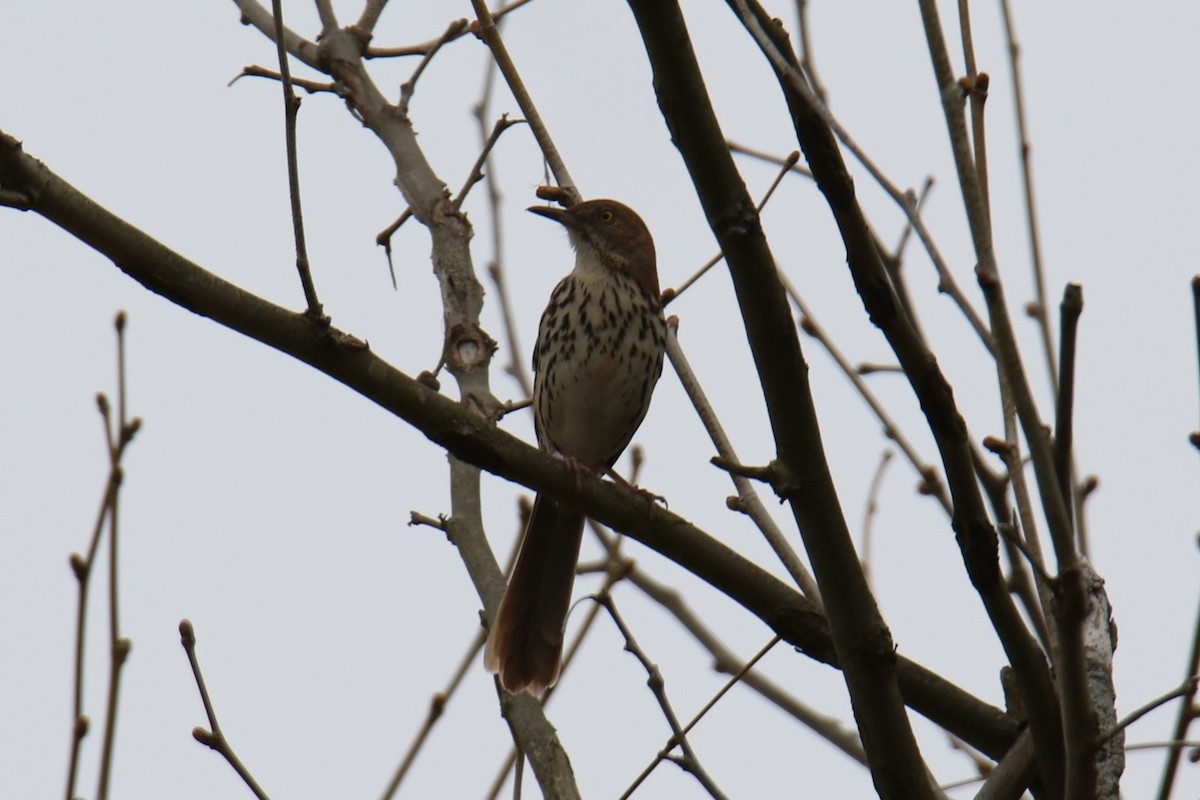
[977,538]
[861,638]
[474,439]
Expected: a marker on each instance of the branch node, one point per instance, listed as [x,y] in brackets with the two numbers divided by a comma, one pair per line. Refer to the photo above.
[416,518]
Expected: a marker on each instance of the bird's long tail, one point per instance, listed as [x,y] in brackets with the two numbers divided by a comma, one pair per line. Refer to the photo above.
[526,640]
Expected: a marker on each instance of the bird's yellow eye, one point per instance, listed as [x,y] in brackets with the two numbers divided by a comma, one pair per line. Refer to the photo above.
[606,216]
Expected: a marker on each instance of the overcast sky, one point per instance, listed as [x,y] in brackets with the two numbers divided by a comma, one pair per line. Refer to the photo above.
[268,504]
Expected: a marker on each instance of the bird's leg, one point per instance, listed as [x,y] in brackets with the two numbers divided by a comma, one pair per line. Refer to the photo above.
[578,470]
[650,496]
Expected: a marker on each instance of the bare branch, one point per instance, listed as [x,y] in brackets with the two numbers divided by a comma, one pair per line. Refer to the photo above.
[778,161]
[678,737]
[119,646]
[213,737]
[907,200]
[1195,437]
[324,13]
[1039,308]
[437,704]
[726,662]
[689,762]
[465,433]
[476,173]
[254,13]
[491,37]
[453,31]
[370,15]
[931,482]
[807,62]
[788,165]
[118,434]
[861,636]
[1064,427]
[748,499]
[1187,708]
[312,87]
[291,105]
[978,541]
[1185,689]
[872,507]
[424,47]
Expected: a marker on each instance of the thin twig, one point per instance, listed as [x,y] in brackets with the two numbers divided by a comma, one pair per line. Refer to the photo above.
[975,84]
[1029,544]
[1073,733]
[787,166]
[437,705]
[1180,743]
[655,681]
[1011,531]
[893,262]
[213,738]
[770,158]
[807,63]
[1070,309]
[1008,356]
[384,240]
[476,174]
[748,499]
[665,751]
[424,47]
[1079,777]
[1195,436]
[871,507]
[491,37]
[119,436]
[291,105]
[907,200]
[726,662]
[416,518]
[931,481]
[453,31]
[310,86]
[1183,720]
[516,365]
[1039,309]
[906,231]
[1185,689]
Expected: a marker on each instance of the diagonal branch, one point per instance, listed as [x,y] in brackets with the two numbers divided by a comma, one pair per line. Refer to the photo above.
[291,107]
[491,37]
[976,537]
[477,441]
[861,638]
[466,348]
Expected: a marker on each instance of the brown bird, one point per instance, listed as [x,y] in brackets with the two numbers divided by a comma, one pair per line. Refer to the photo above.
[599,353]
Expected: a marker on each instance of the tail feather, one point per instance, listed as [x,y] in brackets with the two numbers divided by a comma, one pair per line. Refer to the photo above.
[526,639]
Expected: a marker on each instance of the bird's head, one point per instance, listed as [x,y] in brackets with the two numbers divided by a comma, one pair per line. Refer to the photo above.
[614,234]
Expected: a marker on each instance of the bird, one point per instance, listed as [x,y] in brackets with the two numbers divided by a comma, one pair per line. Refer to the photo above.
[598,355]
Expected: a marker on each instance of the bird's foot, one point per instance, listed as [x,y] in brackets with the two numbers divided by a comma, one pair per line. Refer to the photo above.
[650,496]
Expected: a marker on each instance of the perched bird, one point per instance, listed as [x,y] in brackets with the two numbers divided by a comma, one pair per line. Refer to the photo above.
[598,355]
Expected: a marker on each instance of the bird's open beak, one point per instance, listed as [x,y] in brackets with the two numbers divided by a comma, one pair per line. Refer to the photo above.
[559,215]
